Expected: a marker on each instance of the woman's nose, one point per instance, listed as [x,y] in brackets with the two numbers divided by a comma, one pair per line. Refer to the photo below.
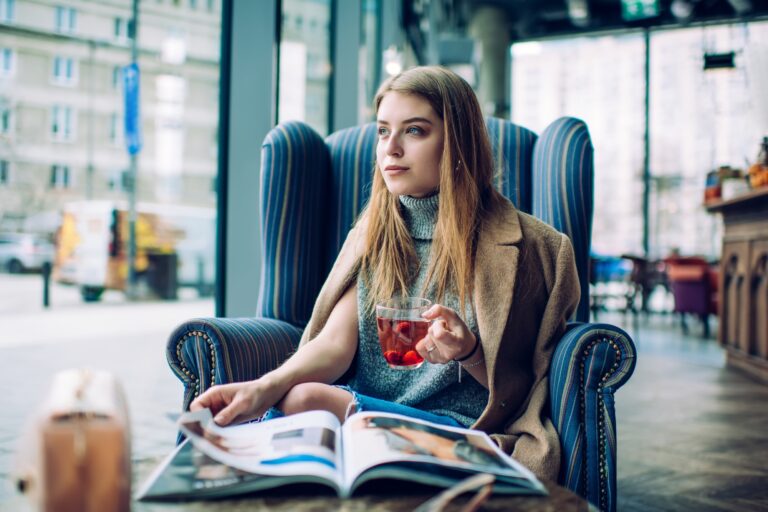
[394,148]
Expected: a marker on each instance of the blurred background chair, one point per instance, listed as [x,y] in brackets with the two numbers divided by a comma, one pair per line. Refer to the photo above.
[312,191]
[693,283]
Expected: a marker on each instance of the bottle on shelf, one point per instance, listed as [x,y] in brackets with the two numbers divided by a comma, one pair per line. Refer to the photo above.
[758,172]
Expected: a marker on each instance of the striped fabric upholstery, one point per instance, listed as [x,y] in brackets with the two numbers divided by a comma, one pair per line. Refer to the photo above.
[353,155]
[590,363]
[294,184]
[207,351]
[512,147]
[562,191]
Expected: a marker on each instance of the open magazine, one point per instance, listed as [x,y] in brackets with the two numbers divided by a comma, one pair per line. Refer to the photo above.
[314,448]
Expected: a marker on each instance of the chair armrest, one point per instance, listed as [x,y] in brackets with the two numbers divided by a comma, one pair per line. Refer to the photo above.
[590,363]
[207,351]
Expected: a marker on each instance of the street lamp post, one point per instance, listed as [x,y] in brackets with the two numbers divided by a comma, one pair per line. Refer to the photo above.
[133,143]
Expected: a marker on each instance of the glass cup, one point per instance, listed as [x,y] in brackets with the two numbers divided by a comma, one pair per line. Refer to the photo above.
[400,327]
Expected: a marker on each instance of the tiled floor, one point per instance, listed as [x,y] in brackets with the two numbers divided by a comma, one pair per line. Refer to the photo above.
[692,435]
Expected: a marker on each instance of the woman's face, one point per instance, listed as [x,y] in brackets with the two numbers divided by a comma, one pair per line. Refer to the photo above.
[410,144]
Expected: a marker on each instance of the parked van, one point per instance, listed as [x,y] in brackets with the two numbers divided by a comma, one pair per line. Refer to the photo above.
[22,252]
[174,247]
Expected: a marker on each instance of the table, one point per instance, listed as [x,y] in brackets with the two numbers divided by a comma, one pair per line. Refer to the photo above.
[560,499]
[743,290]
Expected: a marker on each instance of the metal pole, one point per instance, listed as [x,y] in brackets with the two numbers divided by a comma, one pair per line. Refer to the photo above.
[133,169]
[647,149]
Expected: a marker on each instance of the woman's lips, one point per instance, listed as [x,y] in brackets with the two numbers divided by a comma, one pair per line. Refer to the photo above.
[395,169]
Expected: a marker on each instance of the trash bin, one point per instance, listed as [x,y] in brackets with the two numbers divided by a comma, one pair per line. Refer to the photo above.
[162,275]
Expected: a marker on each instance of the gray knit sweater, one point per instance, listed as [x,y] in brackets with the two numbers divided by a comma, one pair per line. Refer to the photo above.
[433,388]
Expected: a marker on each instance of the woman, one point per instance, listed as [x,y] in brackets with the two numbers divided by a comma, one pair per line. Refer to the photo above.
[503,284]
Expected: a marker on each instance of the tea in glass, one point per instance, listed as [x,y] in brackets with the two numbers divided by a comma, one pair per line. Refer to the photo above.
[400,327]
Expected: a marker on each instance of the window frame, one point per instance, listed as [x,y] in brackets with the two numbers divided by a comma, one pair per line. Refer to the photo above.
[60,184]
[7,62]
[72,71]
[69,121]
[6,174]
[7,11]
[65,20]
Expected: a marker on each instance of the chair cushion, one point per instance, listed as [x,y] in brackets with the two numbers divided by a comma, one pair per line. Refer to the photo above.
[562,191]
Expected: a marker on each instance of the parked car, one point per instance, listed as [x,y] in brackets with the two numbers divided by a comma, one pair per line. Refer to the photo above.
[21,252]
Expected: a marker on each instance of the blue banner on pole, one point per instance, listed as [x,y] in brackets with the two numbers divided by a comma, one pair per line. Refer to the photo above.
[132,113]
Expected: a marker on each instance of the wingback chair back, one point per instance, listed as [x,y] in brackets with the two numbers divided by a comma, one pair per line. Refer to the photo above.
[314,189]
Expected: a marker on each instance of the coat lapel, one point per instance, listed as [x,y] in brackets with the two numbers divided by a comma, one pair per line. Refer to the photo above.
[495,273]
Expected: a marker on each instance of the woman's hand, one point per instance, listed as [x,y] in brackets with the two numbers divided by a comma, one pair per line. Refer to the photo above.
[448,337]
[239,401]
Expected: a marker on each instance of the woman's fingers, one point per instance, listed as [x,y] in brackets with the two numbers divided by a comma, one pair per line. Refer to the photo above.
[230,412]
[448,333]
[215,398]
[452,319]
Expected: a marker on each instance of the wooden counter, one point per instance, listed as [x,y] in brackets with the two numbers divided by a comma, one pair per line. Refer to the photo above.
[743,295]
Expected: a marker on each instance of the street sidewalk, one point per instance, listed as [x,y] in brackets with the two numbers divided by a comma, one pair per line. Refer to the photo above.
[126,339]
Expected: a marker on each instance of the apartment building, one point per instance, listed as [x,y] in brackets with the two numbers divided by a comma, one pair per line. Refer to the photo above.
[62,105]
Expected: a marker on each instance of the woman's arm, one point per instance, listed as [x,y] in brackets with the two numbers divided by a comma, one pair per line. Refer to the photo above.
[330,354]
[323,360]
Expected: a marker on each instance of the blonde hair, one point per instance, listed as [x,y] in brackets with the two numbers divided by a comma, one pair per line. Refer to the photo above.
[467,195]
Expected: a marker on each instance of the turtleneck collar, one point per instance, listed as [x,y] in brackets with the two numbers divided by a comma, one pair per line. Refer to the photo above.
[420,215]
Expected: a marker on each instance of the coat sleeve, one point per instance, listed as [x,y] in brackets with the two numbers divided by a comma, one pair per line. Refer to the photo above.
[531,438]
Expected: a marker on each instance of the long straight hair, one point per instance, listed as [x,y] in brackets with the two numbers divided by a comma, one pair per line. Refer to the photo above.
[467,195]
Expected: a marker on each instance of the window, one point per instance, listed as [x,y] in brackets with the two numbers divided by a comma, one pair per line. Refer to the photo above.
[700,120]
[7,62]
[5,172]
[5,120]
[66,20]
[117,75]
[121,30]
[62,121]
[599,80]
[117,180]
[7,8]
[305,64]
[115,128]
[60,176]
[64,71]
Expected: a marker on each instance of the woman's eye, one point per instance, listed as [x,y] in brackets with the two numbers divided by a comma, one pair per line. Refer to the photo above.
[382,131]
[414,130]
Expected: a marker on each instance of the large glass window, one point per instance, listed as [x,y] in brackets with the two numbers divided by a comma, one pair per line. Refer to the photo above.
[63,181]
[701,120]
[305,63]
[599,80]
[370,61]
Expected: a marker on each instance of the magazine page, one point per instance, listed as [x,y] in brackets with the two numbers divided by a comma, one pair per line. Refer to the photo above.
[188,473]
[399,447]
[301,444]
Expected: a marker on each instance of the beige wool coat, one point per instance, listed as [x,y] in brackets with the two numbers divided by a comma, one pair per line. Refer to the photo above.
[526,287]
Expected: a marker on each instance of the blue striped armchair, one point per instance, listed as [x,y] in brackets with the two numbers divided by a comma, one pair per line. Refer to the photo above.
[312,191]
